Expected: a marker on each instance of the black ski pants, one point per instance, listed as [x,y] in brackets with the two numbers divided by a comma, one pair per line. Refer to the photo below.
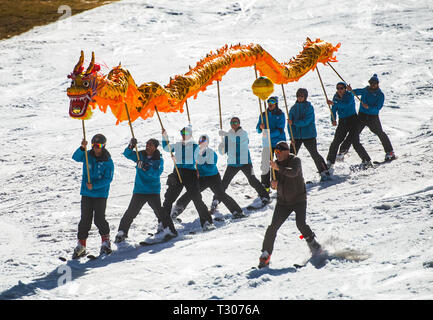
[215,184]
[281,213]
[137,202]
[373,123]
[247,170]
[348,128]
[311,145]
[92,209]
[191,184]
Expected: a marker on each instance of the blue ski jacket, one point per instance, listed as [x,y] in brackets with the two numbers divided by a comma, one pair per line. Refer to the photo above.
[147,178]
[184,153]
[302,116]
[344,106]
[374,100]
[277,124]
[101,170]
[207,162]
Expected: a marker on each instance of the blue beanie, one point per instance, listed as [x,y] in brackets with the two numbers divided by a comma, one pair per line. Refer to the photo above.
[374,78]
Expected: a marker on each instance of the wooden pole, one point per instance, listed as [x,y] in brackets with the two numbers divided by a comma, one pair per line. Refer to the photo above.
[267,125]
[326,96]
[219,105]
[187,112]
[329,64]
[169,147]
[85,152]
[287,111]
[132,131]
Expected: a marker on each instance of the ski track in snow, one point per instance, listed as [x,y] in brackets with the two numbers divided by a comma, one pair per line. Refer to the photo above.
[384,213]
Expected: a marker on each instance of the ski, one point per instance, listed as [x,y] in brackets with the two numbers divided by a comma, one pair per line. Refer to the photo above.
[384,161]
[151,242]
[253,207]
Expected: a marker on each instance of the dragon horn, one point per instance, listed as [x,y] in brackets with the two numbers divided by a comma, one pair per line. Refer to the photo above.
[92,64]
[80,63]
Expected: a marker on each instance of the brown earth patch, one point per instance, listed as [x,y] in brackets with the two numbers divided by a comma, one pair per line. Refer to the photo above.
[18,16]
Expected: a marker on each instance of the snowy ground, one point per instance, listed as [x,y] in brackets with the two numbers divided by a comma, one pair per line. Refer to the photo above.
[385,214]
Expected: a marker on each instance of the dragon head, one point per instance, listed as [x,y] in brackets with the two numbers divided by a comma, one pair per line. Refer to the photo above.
[84,86]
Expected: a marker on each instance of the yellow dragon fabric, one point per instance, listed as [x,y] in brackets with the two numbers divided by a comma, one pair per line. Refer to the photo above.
[90,89]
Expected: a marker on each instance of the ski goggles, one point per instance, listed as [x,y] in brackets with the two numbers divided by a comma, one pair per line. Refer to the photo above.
[272,101]
[185,132]
[97,145]
[234,122]
[202,139]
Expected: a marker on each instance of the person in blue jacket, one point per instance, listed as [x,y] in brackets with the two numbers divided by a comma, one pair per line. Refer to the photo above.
[147,189]
[209,177]
[94,194]
[372,99]
[343,104]
[185,159]
[302,120]
[236,145]
[277,124]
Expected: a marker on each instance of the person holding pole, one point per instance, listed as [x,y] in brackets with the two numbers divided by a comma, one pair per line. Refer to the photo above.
[184,155]
[372,99]
[343,103]
[292,196]
[302,121]
[209,178]
[235,145]
[147,189]
[95,188]
[277,124]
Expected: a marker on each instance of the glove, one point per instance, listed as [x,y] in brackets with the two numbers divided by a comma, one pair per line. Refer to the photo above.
[223,133]
[143,165]
[132,143]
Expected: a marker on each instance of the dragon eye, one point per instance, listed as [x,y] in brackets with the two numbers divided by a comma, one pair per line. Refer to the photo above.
[86,83]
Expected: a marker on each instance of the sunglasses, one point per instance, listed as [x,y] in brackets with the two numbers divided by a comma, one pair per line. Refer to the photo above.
[98,145]
[201,140]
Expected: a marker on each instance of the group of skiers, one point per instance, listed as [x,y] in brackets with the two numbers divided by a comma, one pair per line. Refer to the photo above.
[195,168]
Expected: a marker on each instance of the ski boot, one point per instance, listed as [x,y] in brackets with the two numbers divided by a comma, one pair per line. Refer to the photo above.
[214,206]
[120,237]
[314,246]
[264,260]
[208,226]
[325,176]
[341,154]
[80,249]
[176,211]
[389,156]
[238,215]
[106,245]
[365,164]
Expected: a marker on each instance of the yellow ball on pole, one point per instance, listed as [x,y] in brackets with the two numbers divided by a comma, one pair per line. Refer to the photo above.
[263,87]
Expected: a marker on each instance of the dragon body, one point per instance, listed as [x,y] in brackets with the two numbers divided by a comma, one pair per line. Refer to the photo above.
[90,89]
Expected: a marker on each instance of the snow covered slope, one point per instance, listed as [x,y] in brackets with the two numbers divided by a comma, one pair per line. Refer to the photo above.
[384,214]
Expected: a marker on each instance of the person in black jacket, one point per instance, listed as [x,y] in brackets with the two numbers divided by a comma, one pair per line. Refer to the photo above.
[291,196]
